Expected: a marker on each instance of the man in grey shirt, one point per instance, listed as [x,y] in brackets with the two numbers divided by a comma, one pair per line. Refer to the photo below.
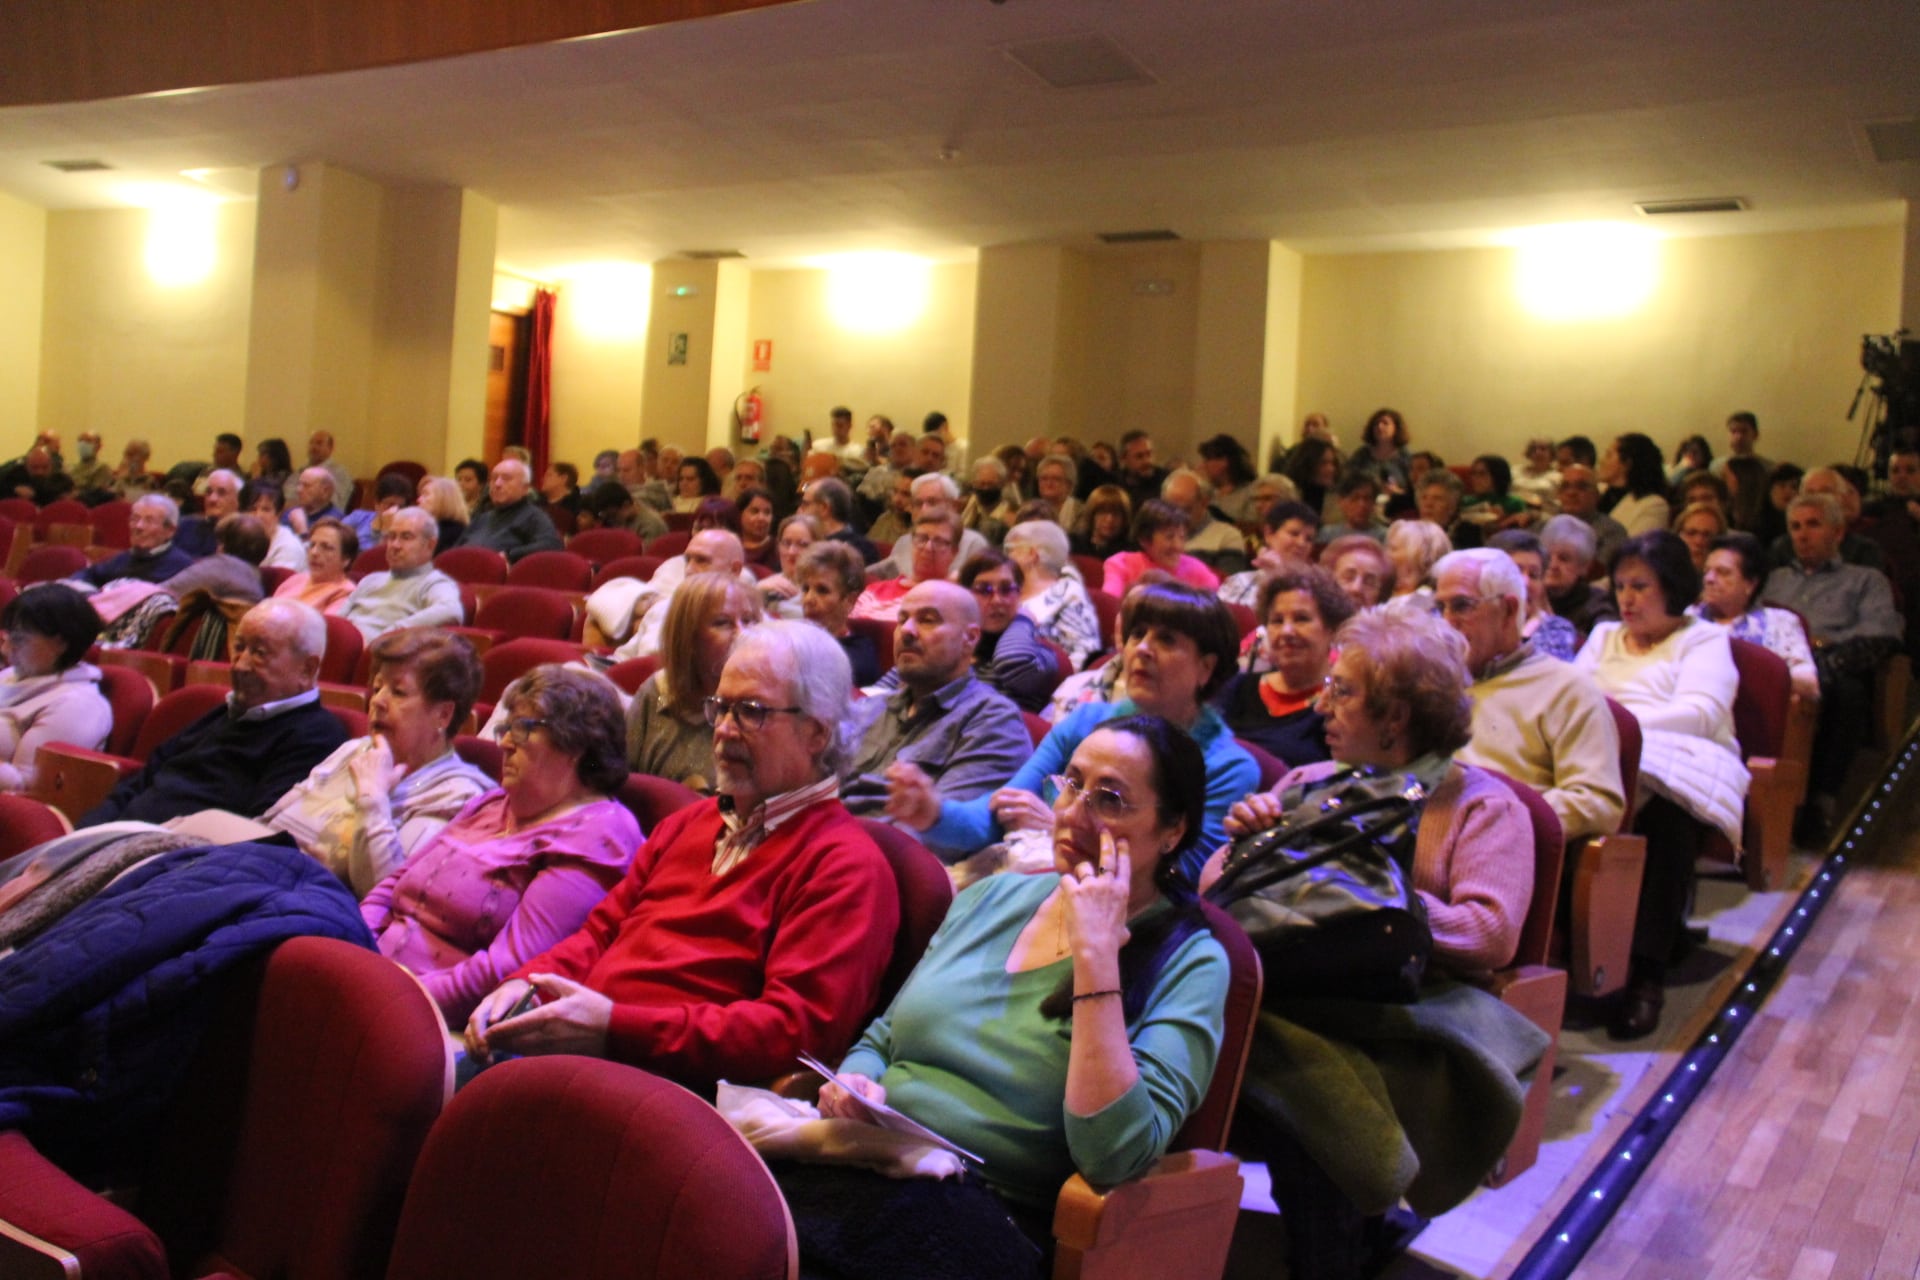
[965,735]
[411,593]
[1580,498]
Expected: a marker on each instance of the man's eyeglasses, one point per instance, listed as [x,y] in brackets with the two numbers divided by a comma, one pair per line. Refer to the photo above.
[1108,805]
[1458,606]
[988,590]
[521,728]
[928,540]
[746,712]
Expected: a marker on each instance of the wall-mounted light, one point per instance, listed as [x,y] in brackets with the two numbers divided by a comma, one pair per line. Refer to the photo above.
[182,243]
[877,292]
[608,301]
[1585,270]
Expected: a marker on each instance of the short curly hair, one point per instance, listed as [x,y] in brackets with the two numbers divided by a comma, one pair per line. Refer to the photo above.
[443,662]
[1334,606]
[1416,660]
[583,717]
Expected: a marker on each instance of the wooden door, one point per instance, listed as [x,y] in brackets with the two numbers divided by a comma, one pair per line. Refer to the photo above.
[506,383]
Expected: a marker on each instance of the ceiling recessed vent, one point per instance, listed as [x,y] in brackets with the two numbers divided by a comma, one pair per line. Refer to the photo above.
[77,166]
[710,255]
[1894,141]
[1138,237]
[1078,62]
[1705,204]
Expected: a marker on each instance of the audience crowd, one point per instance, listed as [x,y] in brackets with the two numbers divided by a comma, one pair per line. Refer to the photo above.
[1081,675]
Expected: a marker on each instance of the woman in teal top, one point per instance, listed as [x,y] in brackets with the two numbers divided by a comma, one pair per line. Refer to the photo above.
[1180,646]
[1056,1024]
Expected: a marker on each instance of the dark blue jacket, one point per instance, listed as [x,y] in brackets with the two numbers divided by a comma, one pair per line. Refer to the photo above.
[144,565]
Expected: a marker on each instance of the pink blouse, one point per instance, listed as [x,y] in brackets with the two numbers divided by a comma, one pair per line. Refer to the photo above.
[1124,567]
[324,596]
[476,901]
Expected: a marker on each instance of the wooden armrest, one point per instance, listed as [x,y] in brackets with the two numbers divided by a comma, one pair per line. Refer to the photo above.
[73,779]
[1606,901]
[350,696]
[1537,992]
[1891,680]
[51,1226]
[162,670]
[1176,1219]
[481,638]
[1772,796]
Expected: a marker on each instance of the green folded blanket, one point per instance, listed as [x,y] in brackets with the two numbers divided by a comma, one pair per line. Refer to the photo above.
[1415,1101]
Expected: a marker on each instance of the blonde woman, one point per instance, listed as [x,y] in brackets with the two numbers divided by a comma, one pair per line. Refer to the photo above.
[1415,546]
[667,730]
[442,499]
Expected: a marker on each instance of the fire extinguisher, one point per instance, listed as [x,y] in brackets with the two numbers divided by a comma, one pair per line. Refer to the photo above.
[748,412]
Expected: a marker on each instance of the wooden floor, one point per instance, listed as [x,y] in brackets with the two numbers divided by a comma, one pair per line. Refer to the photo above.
[1798,1161]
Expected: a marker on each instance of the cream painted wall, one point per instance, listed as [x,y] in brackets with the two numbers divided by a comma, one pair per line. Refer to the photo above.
[1024,352]
[126,356]
[819,362]
[1229,352]
[1770,323]
[674,407]
[23,266]
[1280,388]
[600,337]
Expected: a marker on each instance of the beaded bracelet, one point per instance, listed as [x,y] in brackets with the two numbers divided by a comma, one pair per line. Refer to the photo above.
[1095,995]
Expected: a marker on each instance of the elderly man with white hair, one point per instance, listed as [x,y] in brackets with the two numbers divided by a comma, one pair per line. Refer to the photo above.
[514,525]
[1535,718]
[1570,544]
[1853,549]
[1213,542]
[933,492]
[753,926]
[314,499]
[409,592]
[987,511]
[151,555]
[244,756]
[220,490]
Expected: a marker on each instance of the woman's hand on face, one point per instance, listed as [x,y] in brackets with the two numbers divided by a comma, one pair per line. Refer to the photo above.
[491,1009]
[1017,810]
[835,1104]
[778,587]
[374,772]
[1095,901]
[912,799]
[574,1019]
[1257,812]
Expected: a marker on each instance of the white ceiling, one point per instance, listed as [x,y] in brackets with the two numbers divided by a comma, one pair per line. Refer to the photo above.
[817,128]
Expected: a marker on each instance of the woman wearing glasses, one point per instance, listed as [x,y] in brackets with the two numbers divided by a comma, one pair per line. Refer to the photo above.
[1179,646]
[1010,655]
[521,866]
[667,731]
[1102,996]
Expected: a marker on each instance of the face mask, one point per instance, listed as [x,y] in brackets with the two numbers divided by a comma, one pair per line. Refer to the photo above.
[86,451]
[987,494]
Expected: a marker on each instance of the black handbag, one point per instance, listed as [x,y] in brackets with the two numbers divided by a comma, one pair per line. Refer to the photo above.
[1327,895]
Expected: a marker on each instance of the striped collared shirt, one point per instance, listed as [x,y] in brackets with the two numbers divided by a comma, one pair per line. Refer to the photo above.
[740,835]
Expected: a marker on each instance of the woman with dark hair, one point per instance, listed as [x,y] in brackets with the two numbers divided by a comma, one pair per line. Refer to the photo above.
[667,731]
[1747,505]
[521,866]
[471,476]
[331,551]
[1160,531]
[1230,471]
[1300,610]
[1383,450]
[695,480]
[831,576]
[717,513]
[272,463]
[756,528]
[1179,647]
[1736,569]
[1636,484]
[1490,500]
[1104,997]
[1694,454]
[1676,675]
[264,502]
[1700,487]
[1314,466]
[1009,655]
[48,692]
[1102,528]
[1290,530]
[782,591]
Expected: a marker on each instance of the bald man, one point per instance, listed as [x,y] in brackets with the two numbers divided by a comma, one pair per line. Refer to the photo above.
[245,755]
[320,454]
[964,734]
[514,525]
[709,551]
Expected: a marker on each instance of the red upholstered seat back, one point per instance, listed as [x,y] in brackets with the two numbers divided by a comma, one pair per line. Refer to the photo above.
[50,563]
[634,566]
[1549,854]
[342,658]
[560,570]
[25,822]
[1208,1126]
[289,1149]
[65,511]
[510,659]
[880,631]
[601,546]
[412,472]
[130,694]
[652,800]
[371,560]
[926,891]
[482,753]
[1038,727]
[175,712]
[527,611]
[18,510]
[670,543]
[633,673]
[578,1167]
[110,523]
[1760,704]
[476,566]
[1627,728]
[1272,767]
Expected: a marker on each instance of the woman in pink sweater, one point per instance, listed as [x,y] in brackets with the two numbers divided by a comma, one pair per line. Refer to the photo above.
[1160,531]
[522,866]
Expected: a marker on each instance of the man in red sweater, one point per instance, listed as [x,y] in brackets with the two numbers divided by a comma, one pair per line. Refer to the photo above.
[751,927]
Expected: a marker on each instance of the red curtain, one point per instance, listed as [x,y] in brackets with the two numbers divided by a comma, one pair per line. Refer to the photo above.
[534,433]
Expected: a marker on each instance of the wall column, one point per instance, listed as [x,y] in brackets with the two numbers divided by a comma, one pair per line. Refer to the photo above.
[1023,381]
[1280,386]
[369,317]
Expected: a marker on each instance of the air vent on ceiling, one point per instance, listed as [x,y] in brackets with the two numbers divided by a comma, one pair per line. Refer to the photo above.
[1078,62]
[1704,204]
[1894,141]
[77,166]
[710,255]
[1138,237]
